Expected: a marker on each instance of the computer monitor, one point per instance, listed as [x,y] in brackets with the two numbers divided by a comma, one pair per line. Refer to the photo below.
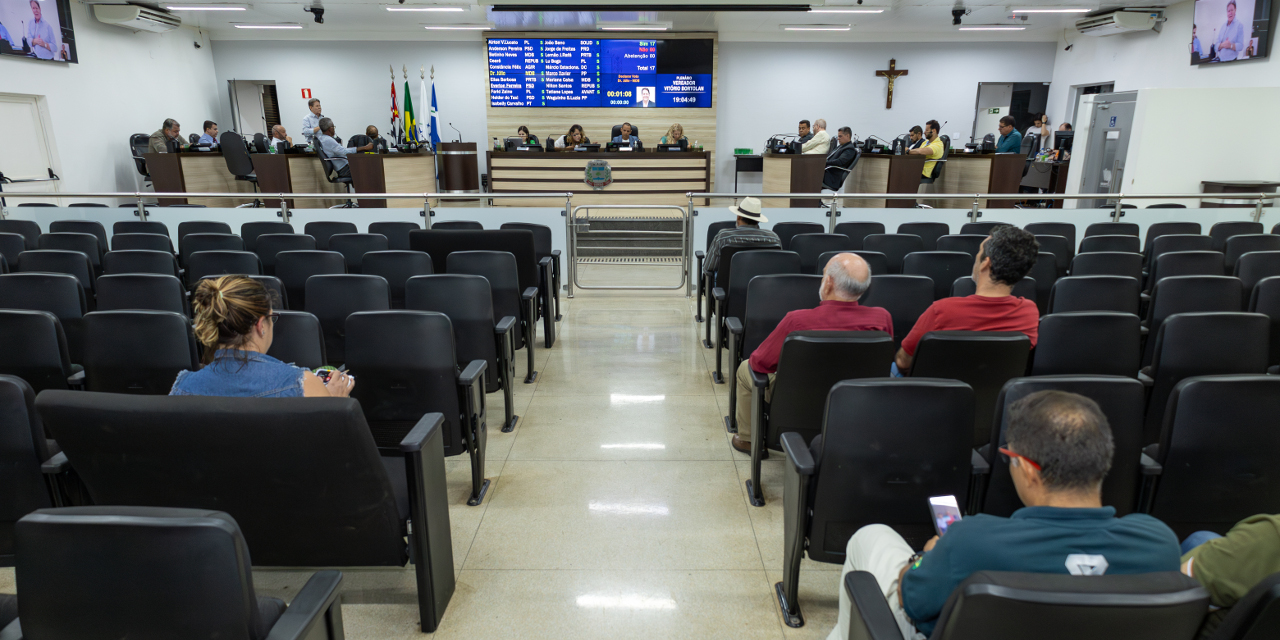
[520,144]
[587,147]
[613,146]
[1062,140]
[670,147]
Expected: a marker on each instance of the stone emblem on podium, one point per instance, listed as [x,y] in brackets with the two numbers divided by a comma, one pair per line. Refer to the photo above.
[599,174]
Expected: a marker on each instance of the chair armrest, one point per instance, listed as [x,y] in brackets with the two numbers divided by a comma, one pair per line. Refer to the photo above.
[699,254]
[734,325]
[555,253]
[1146,380]
[1144,331]
[472,373]
[57,464]
[869,613]
[504,325]
[758,379]
[309,607]
[719,294]
[529,294]
[1150,467]
[980,465]
[421,432]
[798,455]
[545,262]
[76,379]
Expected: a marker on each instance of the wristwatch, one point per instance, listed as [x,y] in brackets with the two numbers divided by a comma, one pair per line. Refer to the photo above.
[915,557]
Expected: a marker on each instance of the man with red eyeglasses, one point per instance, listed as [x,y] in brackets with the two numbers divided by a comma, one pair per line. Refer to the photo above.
[1059,450]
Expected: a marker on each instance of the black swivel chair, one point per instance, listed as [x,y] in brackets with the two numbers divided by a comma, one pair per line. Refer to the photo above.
[298,340]
[984,360]
[1095,293]
[811,245]
[906,298]
[293,268]
[704,280]
[731,301]
[322,231]
[858,231]
[1088,342]
[236,155]
[894,246]
[1111,229]
[397,233]
[139,143]
[353,247]
[463,225]
[269,245]
[943,267]
[1222,231]
[203,264]
[788,230]
[331,174]
[617,131]
[137,352]
[23,448]
[74,263]
[970,243]
[333,298]
[940,163]
[397,267]
[28,229]
[141,241]
[929,232]
[57,293]
[142,291]
[126,572]
[408,369]
[499,268]
[250,231]
[33,347]
[1115,242]
[140,261]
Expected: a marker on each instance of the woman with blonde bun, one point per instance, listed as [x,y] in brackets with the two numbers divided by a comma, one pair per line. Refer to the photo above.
[235,323]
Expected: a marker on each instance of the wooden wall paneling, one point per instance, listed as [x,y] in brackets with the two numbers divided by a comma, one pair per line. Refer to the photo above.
[306,175]
[415,173]
[208,172]
[166,176]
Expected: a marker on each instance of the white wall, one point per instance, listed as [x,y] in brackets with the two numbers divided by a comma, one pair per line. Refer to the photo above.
[766,88]
[125,83]
[353,81]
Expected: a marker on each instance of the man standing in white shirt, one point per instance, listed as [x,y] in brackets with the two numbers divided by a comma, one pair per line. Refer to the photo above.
[41,35]
[1231,36]
[311,123]
[821,140]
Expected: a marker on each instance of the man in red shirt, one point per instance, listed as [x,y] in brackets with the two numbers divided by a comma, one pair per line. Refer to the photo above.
[1006,257]
[845,279]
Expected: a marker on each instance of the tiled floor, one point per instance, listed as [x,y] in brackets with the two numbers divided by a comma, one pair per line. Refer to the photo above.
[617,508]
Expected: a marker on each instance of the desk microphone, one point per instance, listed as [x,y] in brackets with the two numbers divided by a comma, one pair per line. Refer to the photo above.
[455,130]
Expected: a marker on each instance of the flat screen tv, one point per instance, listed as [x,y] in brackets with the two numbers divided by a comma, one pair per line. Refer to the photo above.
[38,29]
[629,74]
[1230,30]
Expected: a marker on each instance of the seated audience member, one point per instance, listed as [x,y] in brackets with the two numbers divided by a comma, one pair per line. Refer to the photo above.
[1066,126]
[1006,257]
[844,280]
[806,133]
[915,138]
[840,158]
[210,136]
[675,135]
[572,139]
[625,139]
[1010,140]
[279,136]
[820,141]
[234,322]
[1229,566]
[167,139]
[930,148]
[334,149]
[1059,450]
[524,134]
[746,233]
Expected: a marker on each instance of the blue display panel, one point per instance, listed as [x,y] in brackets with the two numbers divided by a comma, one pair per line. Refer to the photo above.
[599,73]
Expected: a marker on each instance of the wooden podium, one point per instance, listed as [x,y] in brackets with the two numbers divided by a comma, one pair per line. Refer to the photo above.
[793,173]
[392,173]
[459,167]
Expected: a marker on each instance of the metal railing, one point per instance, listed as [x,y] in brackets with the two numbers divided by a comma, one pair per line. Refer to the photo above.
[574,221]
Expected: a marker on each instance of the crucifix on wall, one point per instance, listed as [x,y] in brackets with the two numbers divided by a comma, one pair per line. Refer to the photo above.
[892,74]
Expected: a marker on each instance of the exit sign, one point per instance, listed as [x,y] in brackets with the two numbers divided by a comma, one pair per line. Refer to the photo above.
[994,110]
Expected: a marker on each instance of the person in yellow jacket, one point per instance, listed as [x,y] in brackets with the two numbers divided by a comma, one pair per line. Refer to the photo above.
[821,140]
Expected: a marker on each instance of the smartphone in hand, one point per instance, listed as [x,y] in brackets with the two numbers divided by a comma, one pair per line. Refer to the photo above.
[945,512]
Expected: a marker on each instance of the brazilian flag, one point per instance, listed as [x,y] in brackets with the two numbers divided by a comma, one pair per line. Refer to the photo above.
[412,131]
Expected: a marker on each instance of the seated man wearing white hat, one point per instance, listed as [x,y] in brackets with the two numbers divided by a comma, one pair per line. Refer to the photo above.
[747,234]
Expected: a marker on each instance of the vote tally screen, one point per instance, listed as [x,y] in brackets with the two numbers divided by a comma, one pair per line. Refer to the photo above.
[600,73]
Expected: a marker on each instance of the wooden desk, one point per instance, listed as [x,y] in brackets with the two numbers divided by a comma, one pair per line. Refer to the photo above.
[207,172]
[885,173]
[978,173]
[793,173]
[293,172]
[392,173]
[649,177]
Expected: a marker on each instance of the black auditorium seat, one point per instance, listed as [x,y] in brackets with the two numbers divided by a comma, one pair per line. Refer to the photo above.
[1266,300]
[1088,342]
[1171,242]
[85,243]
[970,243]
[333,298]
[1188,294]
[458,225]
[397,233]
[1255,266]
[11,244]
[153,227]
[91,227]
[1221,231]
[704,280]
[201,226]
[943,267]
[1111,229]
[28,229]
[509,300]
[194,242]
[1238,246]
[269,245]
[811,245]
[1108,263]
[542,244]
[1157,229]
[293,268]
[929,232]
[894,246]
[1256,615]
[56,293]
[33,347]
[1185,263]
[202,264]
[984,360]
[323,230]
[353,247]
[788,230]
[1065,229]
[141,241]
[981,228]
[396,266]
[140,261]
[250,231]
[904,297]
[731,302]
[1117,242]
[23,448]
[141,291]
[137,352]
[859,231]
[298,339]
[1061,248]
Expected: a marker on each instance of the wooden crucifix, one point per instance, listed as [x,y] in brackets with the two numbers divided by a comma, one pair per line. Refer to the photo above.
[892,74]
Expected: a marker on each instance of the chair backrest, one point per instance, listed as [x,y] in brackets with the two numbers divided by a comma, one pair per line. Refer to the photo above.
[499,268]
[1065,229]
[943,267]
[1266,300]
[1095,293]
[1125,243]
[323,230]
[34,347]
[468,303]
[73,263]
[965,286]
[1219,450]
[1061,248]
[334,297]
[11,244]
[927,425]
[929,232]
[1044,273]
[724,269]
[353,246]
[201,226]
[141,241]
[981,228]
[235,153]
[1145,606]
[811,245]
[715,228]
[1088,342]
[268,245]
[518,242]
[904,297]
[217,263]
[1189,294]
[463,225]
[1237,246]
[57,293]
[811,363]
[139,226]
[407,368]
[985,360]
[1185,263]
[1221,231]
[542,244]
[298,339]
[1108,263]
[894,246]
[397,233]
[194,242]
[1157,229]
[333,506]
[1204,344]
[1111,229]
[137,352]
[113,565]
[1256,616]
[970,243]
[1254,266]
[617,131]
[250,231]
[1170,242]
[748,265]
[397,266]
[85,243]
[91,227]
[858,231]
[293,268]
[134,291]
[140,261]
[28,229]
[770,298]
[22,449]
[788,230]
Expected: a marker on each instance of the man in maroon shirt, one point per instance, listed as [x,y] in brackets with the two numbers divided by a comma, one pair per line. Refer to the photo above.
[845,279]
[1006,257]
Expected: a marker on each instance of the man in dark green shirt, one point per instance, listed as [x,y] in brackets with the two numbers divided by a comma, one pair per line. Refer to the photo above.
[1059,450]
[1229,566]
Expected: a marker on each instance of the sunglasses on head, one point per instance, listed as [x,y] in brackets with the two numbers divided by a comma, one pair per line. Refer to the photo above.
[1006,455]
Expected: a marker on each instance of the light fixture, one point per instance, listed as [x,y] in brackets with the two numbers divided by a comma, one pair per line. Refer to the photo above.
[635,445]
[457,27]
[425,8]
[624,601]
[278,25]
[816,27]
[623,398]
[629,508]
[633,26]
[1051,10]
[207,7]
[991,28]
[846,11]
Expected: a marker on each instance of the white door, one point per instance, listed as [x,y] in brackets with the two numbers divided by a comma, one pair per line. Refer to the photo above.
[25,159]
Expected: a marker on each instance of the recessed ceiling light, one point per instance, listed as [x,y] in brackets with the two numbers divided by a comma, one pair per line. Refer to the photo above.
[1051,10]
[282,25]
[207,7]
[815,27]
[457,27]
[425,8]
[846,11]
[993,28]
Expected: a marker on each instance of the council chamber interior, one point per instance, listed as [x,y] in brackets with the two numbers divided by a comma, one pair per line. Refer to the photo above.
[846,319]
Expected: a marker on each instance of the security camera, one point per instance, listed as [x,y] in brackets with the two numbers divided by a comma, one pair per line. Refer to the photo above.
[956,14]
[317,13]
[859,1]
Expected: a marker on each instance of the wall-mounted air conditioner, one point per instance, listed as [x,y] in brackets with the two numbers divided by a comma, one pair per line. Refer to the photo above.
[137,18]
[1122,21]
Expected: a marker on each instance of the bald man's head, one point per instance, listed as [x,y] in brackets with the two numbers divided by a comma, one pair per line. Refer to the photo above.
[846,277]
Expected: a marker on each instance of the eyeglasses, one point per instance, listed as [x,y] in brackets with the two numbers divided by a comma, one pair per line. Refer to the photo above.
[273,317]
[1006,454]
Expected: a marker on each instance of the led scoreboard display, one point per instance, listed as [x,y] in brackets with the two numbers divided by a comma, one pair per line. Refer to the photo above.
[600,73]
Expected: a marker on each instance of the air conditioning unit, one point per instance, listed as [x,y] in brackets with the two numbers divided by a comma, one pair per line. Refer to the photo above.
[1122,21]
[137,18]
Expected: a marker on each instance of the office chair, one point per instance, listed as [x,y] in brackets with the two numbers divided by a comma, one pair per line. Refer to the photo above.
[617,131]
[193,138]
[138,144]
[236,154]
[331,174]
[940,163]
[259,143]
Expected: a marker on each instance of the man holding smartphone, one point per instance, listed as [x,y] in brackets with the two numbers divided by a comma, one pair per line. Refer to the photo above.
[1059,450]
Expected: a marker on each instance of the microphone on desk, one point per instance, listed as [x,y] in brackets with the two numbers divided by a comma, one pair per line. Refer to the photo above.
[455,130]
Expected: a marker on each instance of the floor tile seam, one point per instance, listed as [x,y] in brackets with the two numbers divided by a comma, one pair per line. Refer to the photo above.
[488,500]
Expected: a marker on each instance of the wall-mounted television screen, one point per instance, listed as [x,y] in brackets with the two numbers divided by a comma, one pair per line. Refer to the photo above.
[1230,30]
[39,29]
[600,73]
